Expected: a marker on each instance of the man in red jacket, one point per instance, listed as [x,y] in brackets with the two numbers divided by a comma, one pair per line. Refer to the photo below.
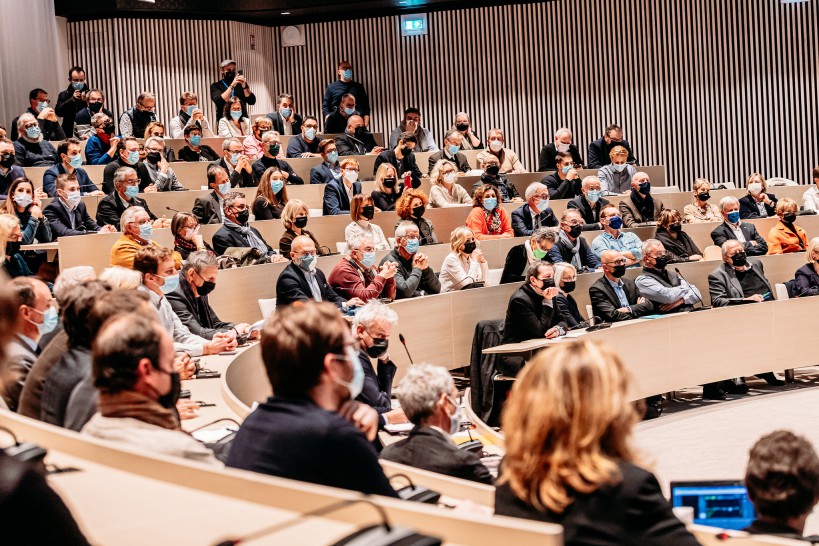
[356,276]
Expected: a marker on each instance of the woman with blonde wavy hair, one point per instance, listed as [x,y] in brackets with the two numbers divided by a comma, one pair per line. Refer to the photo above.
[569,458]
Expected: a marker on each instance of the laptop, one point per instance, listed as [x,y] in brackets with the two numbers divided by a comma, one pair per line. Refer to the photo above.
[718,503]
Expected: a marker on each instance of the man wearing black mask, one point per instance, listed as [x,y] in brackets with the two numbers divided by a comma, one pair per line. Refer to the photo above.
[236,232]
[615,298]
[82,124]
[231,85]
[73,99]
[159,170]
[492,175]
[667,291]
[598,152]
[9,172]
[640,207]
[356,139]
[571,247]
[403,159]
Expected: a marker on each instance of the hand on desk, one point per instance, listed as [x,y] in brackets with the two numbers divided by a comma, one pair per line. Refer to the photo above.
[221,342]
[396,417]
[108,228]
[188,409]
[184,365]
[756,298]
[673,305]
[244,327]
[552,332]
[362,416]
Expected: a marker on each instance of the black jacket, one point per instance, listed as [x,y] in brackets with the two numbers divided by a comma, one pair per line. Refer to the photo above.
[278,123]
[523,222]
[407,164]
[207,209]
[336,200]
[196,313]
[528,316]
[723,232]
[748,209]
[590,215]
[110,209]
[409,280]
[506,191]
[516,264]
[386,201]
[680,248]
[216,90]
[377,391]
[568,310]
[292,286]
[548,157]
[226,238]
[632,511]
[347,144]
[807,281]
[562,252]
[562,189]
[294,438]
[68,108]
[599,153]
[111,168]
[34,154]
[725,287]
[459,160]
[238,179]
[263,163]
[60,222]
[206,153]
[428,449]
[605,303]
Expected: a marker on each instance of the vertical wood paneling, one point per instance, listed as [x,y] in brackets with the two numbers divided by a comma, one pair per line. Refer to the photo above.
[713,88]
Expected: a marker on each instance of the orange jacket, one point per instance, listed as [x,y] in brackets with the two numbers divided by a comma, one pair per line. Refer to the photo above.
[476,221]
[781,240]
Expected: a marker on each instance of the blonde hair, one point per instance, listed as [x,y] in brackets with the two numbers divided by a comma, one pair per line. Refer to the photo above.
[785,205]
[381,174]
[756,177]
[458,237]
[701,183]
[812,244]
[291,211]
[618,151]
[437,174]
[668,217]
[567,423]
[7,223]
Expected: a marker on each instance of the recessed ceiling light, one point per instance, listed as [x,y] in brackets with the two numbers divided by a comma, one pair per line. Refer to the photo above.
[285,13]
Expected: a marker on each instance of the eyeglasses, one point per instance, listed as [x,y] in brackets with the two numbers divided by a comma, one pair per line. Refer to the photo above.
[544,197]
[134,182]
[617,262]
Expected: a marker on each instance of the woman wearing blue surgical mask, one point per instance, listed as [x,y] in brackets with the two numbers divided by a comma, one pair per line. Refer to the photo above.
[356,276]
[271,195]
[362,211]
[233,124]
[465,264]
[488,219]
[23,203]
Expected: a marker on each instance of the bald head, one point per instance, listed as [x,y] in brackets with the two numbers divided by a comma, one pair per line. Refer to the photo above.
[302,244]
[354,122]
[610,256]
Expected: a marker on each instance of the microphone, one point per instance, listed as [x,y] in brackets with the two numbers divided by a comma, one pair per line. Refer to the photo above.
[404,343]
[174,210]
[702,305]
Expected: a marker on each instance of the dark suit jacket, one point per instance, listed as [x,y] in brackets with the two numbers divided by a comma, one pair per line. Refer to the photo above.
[807,281]
[111,168]
[568,310]
[293,438]
[632,511]
[523,223]
[605,303]
[562,189]
[321,174]
[226,238]
[459,160]
[516,263]
[60,222]
[748,209]
[238,179]
[590,215]
[73,367]
[725,287]
[278,122]
[207,209]
[336,200]
[599,153]
[187,154]
[292,286]
[264,163]
[428,449]
[110,208]
[407,164]
[548,157]
[14,369]
[377,391]
[561,252]
[723,232]
[196,313]
[347,144]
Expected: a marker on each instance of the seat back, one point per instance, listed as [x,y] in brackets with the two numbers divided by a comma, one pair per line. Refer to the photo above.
[589,311]
[494,277]
[779,181]
[781,291]
[267,307]
[712,252]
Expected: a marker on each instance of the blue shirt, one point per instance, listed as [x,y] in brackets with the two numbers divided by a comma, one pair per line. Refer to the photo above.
[50,180]
[621,294]
[626,242]
[95,151]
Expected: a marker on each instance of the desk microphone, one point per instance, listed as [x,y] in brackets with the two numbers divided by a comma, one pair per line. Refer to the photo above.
[702,305]
[169,208]
[404,343]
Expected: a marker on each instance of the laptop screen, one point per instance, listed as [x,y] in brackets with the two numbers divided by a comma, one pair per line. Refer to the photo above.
[723,504]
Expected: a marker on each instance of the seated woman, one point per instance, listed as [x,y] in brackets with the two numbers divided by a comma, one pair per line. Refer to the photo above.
[466,263]
[569,458]
[521,257]
[411,208]
[701,210]
[487,219]
[429,399]
[807,276]
[565,281]
[271,195]
[387,187]
[758,203]
[362,211]
[355,276]
[446,192]
[11,259]
[233,124]
[24,203]
[186,236]
[678,244]
[294,218]
[786,237]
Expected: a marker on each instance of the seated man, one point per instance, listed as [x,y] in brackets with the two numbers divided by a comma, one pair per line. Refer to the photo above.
[271,147]
[101,146]
[372,326]
[600,148]
[70,160]
[328,170]
[35,318]
[236,164]
[130,153]
[301,281]
[235,231]
[126,189]
[492,175]
[413,275]
[615,177]
[306,143]
[531,314]
[83,128]
[589,203]
[402,157]
[535,213]
[253,142]
[335,123]
[565,182]
[67,215]
[733,228]
[189,301]
[613,238]
[429,399]
[508,161]
[158,168]
[640,207]
[521,257]
[46,117]
[615,298]
[571,247]
[190,116]
[412,124]
[782,478]
[338,193]
[210,209]
[667,291]
[137,233]
[32,149]
[451,152]
[356,140]
[9,171]
[355,276]
[316,375]
[285,120]
[563,143]
[133,366]
[194,150]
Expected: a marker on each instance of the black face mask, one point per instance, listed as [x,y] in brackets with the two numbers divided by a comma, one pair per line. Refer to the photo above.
[574,231]
[740,259]
[108,128]
[94,107]
[645,188]
[243,216]
[169,400]
[7,160]
[144,114]
[406,151]
[388,182]
[675,228]
[470,246]
[300,222]
[462,126]
[661,262]
[360,132]
[229,77]
[789,218]
[368,211]
[547,283]
[569,286]
[207,286]
[153,157]
[703,196]
[379,347]
[493,170]
[618,271]
[418,212]
[274,150]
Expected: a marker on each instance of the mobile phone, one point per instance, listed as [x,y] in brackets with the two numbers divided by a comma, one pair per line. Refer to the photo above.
[185,393]
[241,72]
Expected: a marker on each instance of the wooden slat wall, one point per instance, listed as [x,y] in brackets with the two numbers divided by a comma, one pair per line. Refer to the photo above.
[714,88]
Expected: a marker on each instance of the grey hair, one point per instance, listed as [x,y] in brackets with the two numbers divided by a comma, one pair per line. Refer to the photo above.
[535,267]
[22,120]
[119,277]
[357,241]
[546,234]
[228,141]
[128,216]
[403,227]
[97,118]
[451,133]
[727,200]
[641,175]
[534,188]
[232,197]
[648,244]
[198,261]
[421,389]
[588,180]
[560,268]
[120,173]
[70,278]
[563,131]
[270,134]
[374,311]
[726,244]
[153,139]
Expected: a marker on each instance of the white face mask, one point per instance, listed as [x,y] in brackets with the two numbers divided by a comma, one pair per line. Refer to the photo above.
[755,188]
[496,145]
[456,418]
[449,178]
[351,176]
[73,198]
[563,148]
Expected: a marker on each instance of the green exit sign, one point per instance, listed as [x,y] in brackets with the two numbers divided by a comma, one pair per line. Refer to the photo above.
[414,25]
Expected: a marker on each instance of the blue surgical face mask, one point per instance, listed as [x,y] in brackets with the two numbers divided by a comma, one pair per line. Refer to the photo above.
[196,140]
[733,217]
[412,246]
[77,85]
[236,114]
[566,169]
[619,168]
[368,259]
[190,109]
[234,158]
[171,284]
[307,262]
[23,199]
[50,321]
[146,231]
[133,157]
[33,132]
[75,161]
[615,222]
[356,384]
[276,185]
[310,134]
[454,149]
[593,196]
[224,188]
[41,106]
[490,203]
[349,111]
[347,74]
[286,112]
[131,191]
[332,157]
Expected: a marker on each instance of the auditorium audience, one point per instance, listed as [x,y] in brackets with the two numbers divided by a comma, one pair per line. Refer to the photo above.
[102,146]
[285,120]
[508,192]
[137,233]
[315,374]
[345,84]
[31,149]
[236,164]
[565,182]
[402,157]
[667,291]
[639,207]
[234,122]
[569,459]
[521,257]
[271,195]
[67,214]
[209,209]
[129,155]
[231,86]
[487,219]
[451,153]
[535,213]
[13,263]
[589,203]
[496,146]
[445,190]
[807,276]
[387,188]
[599,150]
[566,281]
[336,122]
[236,231]
[158,168]
[734,228]
[614,297]
[73,99]
[465,265]
[362,212]
[271,150]
[253,145]
[126,188]
[338,193]
[810,199]
[413,277]
[185,231]
[328,170]
[463,125]
[616,176]
[411,207]
[701,210]
[412,124]
[547,160]
[786,237]
[21,203]
[294,217]
[45,119]
[355,275]
[134,121]
[758,203]
[9,172]
[70,160]
[306,143]
[678,244]
[571,247]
